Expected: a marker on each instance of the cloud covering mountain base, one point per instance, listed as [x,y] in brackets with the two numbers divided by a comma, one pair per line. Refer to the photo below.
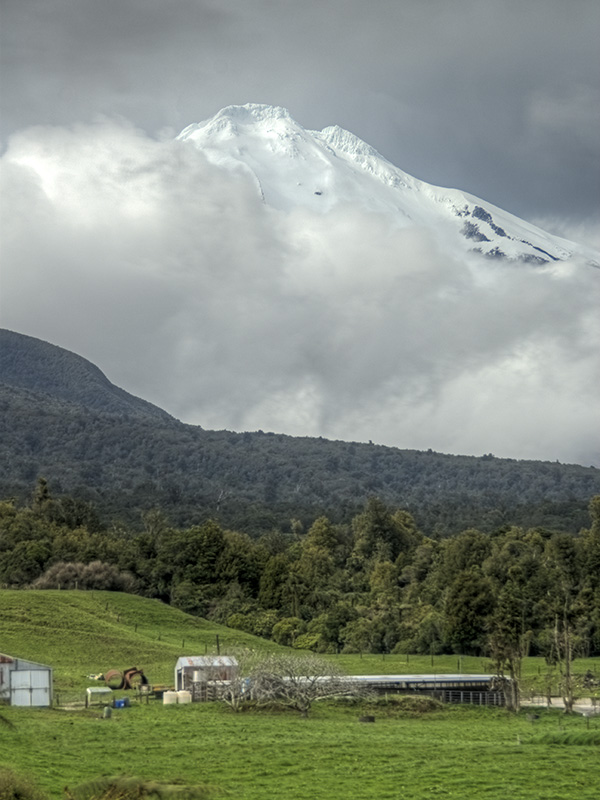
[171,275]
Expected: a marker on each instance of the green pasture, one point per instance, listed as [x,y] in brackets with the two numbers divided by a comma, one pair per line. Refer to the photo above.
[86,633]
[451,752]
[458,752]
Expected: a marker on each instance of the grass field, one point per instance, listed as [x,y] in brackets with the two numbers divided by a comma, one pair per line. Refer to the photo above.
[83,633]
[460,752]
[452,752]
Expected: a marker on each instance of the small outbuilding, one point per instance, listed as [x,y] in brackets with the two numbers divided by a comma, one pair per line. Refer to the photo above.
[24,683]
[482,689]
[98,694]
[203,675]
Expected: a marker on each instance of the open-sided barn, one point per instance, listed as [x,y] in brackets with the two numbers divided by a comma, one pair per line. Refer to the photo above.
[25,683]
[482,689]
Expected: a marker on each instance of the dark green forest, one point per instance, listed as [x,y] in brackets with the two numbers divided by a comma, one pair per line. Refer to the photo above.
[377,584]
[62,418]
[127,464]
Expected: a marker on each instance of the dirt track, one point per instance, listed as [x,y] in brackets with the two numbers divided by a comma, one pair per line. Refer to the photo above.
[582,705]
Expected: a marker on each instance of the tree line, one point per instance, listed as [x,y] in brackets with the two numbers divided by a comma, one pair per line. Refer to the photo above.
[377,584]
[126,464]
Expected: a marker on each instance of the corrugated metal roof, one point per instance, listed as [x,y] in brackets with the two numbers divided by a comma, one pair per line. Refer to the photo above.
[206,661]
[428,678]
[22,663]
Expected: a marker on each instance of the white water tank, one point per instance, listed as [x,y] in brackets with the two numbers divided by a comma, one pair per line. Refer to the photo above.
[183,696]
[169,698]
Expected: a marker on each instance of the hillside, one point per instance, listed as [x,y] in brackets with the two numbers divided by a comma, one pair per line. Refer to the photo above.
[37,366]
[61,418]
[81,633]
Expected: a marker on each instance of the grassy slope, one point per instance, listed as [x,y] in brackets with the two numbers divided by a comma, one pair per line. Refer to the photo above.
[456,753]
[81,633]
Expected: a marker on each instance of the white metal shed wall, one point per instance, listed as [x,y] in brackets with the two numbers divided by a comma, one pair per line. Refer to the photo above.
[25,683]
[31,687]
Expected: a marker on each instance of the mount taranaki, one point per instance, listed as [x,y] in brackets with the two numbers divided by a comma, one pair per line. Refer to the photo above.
[62,418]
[293,167]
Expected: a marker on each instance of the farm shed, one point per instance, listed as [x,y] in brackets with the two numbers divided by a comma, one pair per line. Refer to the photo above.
[98,694]
[25,683]
[203,675]
[473,689]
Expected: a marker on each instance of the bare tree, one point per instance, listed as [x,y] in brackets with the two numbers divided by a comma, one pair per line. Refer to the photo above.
[297,681]
[563,645]
[507,657]
[509,641]
[235,691]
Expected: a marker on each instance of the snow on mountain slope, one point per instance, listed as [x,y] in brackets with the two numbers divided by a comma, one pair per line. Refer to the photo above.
[293,167]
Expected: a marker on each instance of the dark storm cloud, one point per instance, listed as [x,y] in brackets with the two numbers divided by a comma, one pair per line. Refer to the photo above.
[499,99]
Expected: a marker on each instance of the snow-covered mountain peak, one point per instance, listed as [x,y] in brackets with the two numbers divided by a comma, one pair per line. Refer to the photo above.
[255,111]
[234,121]
[342,142]
[340,139]
[293,167]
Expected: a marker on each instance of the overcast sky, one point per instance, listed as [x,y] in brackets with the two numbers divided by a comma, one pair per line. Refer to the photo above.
[500,99]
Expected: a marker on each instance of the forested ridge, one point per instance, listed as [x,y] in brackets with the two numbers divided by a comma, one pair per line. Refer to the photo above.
[127,464]
[377,584]
[34,365]
[60,417]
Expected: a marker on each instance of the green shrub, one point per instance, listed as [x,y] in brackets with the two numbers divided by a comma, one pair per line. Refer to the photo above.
[418,704]
[393,704]
[575,738]
[16,787]
[404,705]
[125,788]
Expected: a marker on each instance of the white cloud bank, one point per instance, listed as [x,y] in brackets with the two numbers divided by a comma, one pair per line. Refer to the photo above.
[174,278]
